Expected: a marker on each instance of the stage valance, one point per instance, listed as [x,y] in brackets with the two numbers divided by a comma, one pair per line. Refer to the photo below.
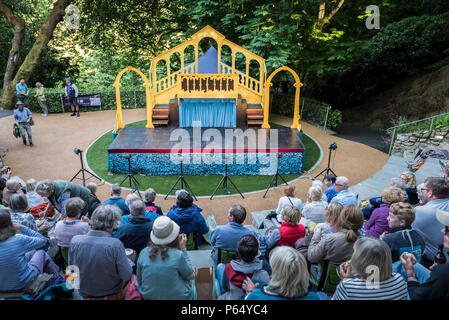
[212,113]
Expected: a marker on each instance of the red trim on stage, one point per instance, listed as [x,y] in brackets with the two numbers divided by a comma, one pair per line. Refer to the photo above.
[206,150]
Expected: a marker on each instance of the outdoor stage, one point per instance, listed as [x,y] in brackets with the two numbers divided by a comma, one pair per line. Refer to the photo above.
[247,151]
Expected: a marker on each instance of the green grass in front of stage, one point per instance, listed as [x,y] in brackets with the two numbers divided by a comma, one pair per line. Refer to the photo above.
[202,185]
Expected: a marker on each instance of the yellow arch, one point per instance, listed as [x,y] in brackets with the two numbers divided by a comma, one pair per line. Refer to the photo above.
[268,84]
[117,86]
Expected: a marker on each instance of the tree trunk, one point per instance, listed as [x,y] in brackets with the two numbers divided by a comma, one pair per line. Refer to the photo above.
[32,59]
[322,13]
[16,43]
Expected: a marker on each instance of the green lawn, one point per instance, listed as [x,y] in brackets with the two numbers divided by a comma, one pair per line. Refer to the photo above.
[201,185]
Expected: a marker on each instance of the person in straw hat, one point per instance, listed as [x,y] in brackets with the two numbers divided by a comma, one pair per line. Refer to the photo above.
[436,287]
[164,269]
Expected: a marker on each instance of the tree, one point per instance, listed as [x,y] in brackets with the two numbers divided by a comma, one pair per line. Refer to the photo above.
[34,55]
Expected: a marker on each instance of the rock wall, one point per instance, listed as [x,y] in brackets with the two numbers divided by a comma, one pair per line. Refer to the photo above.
[407,144]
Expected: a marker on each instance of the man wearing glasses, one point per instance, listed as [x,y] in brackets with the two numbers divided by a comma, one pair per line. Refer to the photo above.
[344,196]
[435,194]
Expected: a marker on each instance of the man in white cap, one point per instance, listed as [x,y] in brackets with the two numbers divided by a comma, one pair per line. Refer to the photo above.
[436,287]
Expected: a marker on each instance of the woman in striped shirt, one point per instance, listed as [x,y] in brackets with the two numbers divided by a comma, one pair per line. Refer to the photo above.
[368,275]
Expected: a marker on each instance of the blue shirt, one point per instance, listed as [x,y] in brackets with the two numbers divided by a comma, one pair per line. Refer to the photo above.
[119,202]
[103,266]
[135,234]
[15,272]
[21,88]
[22,115]
[345,198]
[150,215]
[330,192]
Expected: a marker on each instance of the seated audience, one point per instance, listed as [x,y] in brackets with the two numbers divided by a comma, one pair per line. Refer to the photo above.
[436,283]
[409,180]
[288,199]
[344,196]
[5,175]
[103,265]
[420,196]
[13,186]
[290,230]
[313,210]
[32,197]
[135,234]
[20,258]
[187,215]
[71,225]
[332,213]
[95,202]
[403,238]
[318,184]
[117,200]
[378,223]
[337,247]
[164,270]
[371,256]
[150,196]
[59,191]
[249,265]
[20,211]
[436,195]
[289,280]
[329,182]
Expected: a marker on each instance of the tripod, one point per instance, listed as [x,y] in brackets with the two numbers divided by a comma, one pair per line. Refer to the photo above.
[132,181]
[275,177]
[326,170]
[83,170]
[224,181]
[183,181]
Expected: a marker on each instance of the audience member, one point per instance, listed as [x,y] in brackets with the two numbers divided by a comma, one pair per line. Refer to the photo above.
[19,211]
[435,193]
[344,196]
[117,200]
[370,256]
[187,215]
[249,265]
[5,175]
[288,199]
[59,191]
[378,223]
[289,280]
[135,234]
[20,258]
[150,196]
[150,215]
[337,247]
[319,184]
[420,196]
[329,181]
[409,180]
[290,230]
[94,202]
[13,186]
[313,210]
[332,213]
[164,270]
[436,285]
[103,266]
[33,198]
[403,238]
[71,225]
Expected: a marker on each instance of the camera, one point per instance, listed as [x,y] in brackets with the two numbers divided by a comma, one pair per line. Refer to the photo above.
[77,151]
[333,146]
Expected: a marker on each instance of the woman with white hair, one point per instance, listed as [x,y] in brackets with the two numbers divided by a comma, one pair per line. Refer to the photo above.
[40,97]
[19,207]
[313,210]
[33,198]
[368,275]
[319,184]
[13,186]
[289,278]
[104,268]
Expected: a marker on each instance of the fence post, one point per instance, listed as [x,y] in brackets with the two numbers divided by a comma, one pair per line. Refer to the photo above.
[135,100]
[62,102]
[392,141]
[431,123]
[325,121]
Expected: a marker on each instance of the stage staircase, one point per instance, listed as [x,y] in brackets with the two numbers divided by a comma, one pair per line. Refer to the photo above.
[161,112]
[254,114]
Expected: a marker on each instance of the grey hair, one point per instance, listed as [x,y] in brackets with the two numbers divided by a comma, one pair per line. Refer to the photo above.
[130,198]
[290,272]
[315,193]
[18,203]
[106,217]
[397,182]
[92,186]
[137,207]
[419,188]
[372,252]
[179,192]
[238,212]
[317,183]
[39,84]
[343,181]
[11,184]
[31,185]
[45,186]
[150,195]
[116,189]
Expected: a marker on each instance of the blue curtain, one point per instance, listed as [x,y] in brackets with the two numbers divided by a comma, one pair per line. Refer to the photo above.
[213,113]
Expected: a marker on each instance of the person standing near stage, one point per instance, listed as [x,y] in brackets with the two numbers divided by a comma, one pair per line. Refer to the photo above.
[23,116]
[71,92]
[40,97]
[22,91]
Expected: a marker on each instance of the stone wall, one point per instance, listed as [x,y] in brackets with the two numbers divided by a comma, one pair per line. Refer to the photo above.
[407,144]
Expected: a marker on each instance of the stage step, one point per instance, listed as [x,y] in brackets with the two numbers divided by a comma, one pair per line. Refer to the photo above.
[161,106]
[255,116]
[255,122]
[160,114]
[160,117]
[161,111]
[158,122]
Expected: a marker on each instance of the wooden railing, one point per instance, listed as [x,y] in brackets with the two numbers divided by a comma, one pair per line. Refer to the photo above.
[207,85]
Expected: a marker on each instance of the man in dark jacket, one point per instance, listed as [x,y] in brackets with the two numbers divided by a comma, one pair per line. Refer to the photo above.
[136,233]
[403,238]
